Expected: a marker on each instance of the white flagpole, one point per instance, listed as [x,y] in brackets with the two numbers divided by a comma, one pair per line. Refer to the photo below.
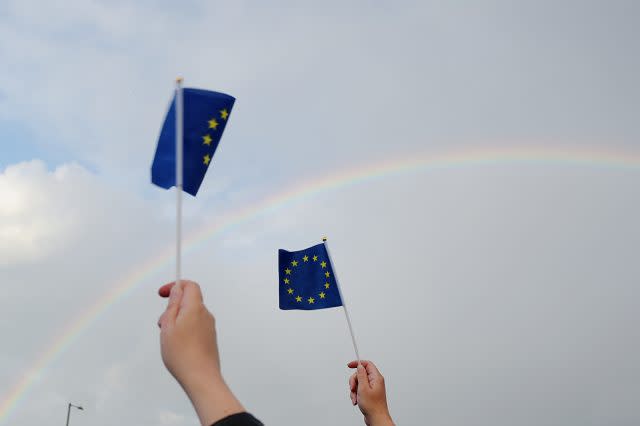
[179,175]
[344,303]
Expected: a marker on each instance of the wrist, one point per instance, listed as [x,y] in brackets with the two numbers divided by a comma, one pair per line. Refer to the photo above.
[202,382]
[212,398]
[200,379]
[382,418]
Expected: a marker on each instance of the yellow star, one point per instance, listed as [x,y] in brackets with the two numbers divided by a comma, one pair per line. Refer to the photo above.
[306,258]
[311,300]
[327,274]
[326,285]
[322,295]
[206,140]
[287,271]
[286,280]
[294,263]
[298,299]
[323,264]
[290,290]
[315,258]
[207,159]
[224,114]
[213,124]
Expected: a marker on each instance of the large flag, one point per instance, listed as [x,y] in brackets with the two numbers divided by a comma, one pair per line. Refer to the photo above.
[205,116]
[306,279]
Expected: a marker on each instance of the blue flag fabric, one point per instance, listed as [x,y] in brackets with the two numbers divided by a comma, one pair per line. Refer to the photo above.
[306,279]
[205,116]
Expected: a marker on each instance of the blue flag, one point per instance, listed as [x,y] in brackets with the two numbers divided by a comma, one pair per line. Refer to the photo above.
[205,116]
[306,279]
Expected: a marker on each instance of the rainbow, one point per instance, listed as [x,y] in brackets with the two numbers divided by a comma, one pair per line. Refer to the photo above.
[576,156]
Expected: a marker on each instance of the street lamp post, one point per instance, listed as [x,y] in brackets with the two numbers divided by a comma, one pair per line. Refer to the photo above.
[69,410]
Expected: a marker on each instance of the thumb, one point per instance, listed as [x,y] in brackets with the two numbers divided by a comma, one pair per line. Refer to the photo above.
[175,296]
[363,379]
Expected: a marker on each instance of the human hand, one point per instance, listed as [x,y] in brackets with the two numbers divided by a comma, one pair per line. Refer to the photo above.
[368,392]
[190,352]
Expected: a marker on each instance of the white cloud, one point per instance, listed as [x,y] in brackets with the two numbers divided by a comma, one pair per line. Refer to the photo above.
[45,212]
[39,212]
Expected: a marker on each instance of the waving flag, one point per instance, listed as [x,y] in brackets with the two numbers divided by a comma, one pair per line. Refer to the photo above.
[307,280]
[205,117]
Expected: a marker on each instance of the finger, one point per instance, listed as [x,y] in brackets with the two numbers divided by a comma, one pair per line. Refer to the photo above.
[165,290]
[363,380]
[192,294]
[371,368]
[353,387]
[175,297]
[372,371]
[354,363]
[353,382]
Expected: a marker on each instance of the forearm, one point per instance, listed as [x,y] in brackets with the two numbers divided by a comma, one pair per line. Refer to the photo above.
[212,399]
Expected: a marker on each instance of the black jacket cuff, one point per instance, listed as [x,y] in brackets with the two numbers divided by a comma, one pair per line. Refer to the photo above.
[240,419]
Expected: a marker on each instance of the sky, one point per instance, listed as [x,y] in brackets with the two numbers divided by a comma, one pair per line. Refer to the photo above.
[474,164]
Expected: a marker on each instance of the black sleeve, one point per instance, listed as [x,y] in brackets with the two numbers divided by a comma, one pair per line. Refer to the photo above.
[240,419]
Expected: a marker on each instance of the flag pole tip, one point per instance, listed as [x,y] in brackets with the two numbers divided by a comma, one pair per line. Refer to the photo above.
[324,239]
[179,80]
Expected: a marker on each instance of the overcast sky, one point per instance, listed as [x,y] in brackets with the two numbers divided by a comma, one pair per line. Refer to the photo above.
[503,293]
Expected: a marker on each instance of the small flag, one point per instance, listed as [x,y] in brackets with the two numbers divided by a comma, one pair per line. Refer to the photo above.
[306,279]
[205,116]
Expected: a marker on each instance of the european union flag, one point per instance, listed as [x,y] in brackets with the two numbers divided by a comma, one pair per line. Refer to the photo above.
[205,116]
[306,279]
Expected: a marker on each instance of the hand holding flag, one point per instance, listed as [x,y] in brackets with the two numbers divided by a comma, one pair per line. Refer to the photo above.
[189,137]
[308,282]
